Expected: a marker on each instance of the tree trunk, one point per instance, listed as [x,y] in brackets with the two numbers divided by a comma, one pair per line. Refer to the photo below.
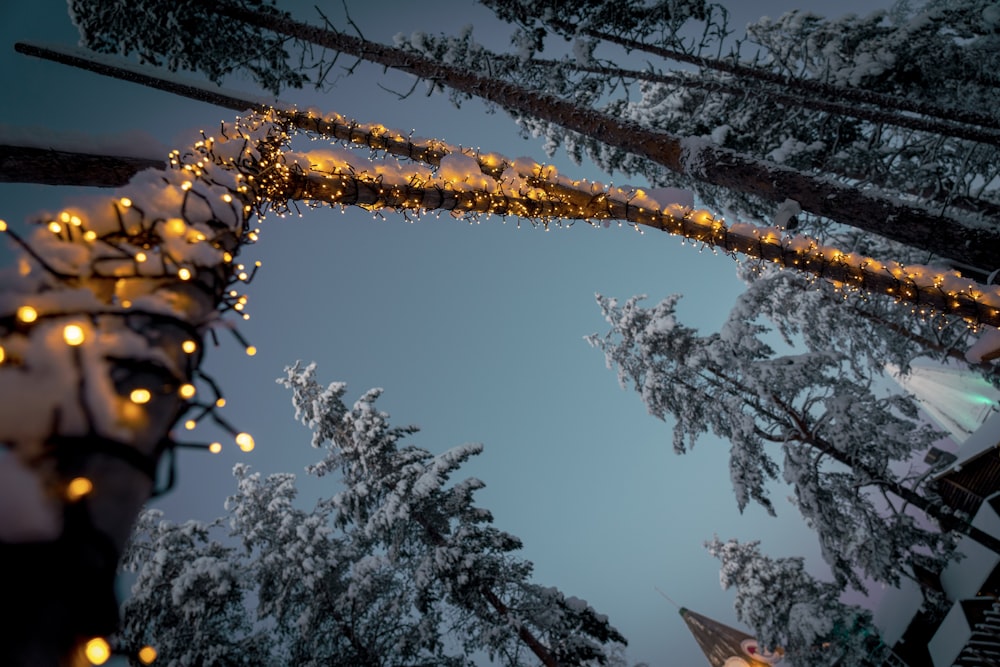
[812,87]
[795,99]
[868,210]
[49,166]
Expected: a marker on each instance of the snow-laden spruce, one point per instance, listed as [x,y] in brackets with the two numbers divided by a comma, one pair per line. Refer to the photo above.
[400,567]
[789,608]
[804,416]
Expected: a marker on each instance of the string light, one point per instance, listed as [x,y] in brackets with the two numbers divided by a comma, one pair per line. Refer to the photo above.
[245,441]
[147,655]
[215,447]
[187,390]
[77,488]
[97,651]
[27,314]
[140,396]
[73,334]
[189,346]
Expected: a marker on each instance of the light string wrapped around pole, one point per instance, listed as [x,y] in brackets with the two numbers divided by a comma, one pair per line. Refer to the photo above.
[102,324]
[531,190]
[930,291]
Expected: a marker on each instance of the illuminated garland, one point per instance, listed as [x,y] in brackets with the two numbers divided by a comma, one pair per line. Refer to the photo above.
[930,291]
[102,327]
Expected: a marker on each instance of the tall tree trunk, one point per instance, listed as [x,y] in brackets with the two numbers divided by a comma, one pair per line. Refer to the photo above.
[564,202]
[871,211]
[50,166]
[791,99]
[813,87]
[59,587]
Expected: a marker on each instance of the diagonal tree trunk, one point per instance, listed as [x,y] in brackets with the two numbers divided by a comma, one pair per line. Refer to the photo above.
[22,164]
[871,211]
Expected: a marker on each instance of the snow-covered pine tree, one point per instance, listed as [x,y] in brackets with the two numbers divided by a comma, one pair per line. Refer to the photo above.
[835,439]
[636,135]
[789,608]
[397,568]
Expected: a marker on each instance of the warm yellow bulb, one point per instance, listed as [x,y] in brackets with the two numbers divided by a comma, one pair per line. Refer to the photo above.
[176,226]
[219,402]
[186,185]
[245,441]
[97,650]
[77,488]
[189,346]
[55,227]
[227,198]
[125,201]
[140,396]
[3,354]
[251,351]
[89,235]
[215,447]
[190,424]
[75,220]
[147,655]
[184,273]
[27,314]
[187,390]
[3,225]
[140,257]
[73,334]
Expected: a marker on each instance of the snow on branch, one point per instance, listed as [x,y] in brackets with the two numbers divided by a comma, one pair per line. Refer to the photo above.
[492,183]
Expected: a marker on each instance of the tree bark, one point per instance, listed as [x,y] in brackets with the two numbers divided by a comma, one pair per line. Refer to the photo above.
[828,91]
[50,166]
[871,211]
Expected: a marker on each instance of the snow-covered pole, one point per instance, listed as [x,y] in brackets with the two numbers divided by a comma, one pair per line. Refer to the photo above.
[530,190]
[868,210]
[928,290]
[101,328]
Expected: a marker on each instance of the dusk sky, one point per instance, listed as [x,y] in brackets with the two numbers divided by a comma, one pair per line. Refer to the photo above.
[475,332]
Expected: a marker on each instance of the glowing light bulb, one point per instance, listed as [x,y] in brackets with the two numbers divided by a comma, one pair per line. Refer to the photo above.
[73,334]
[190,424]
[77,488]
[184,273]
[3,354]
[125,201]
[219,402]
[227,198]
[89,235]
[189,346]
[3,225]
[140,396]
[97,650]
[27,314]
[147,655]
[251,350]
[186,185]
[245,441]
[140,257]
[55,227]
[187,390]
[227,257]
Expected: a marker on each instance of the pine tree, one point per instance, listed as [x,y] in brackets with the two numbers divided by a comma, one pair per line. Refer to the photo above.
[788,608]
[812,407]
[397,568]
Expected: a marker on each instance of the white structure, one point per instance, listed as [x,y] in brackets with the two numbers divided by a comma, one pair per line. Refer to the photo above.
[969,634]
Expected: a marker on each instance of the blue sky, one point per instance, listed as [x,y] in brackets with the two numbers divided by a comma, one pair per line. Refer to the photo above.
[475,332]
